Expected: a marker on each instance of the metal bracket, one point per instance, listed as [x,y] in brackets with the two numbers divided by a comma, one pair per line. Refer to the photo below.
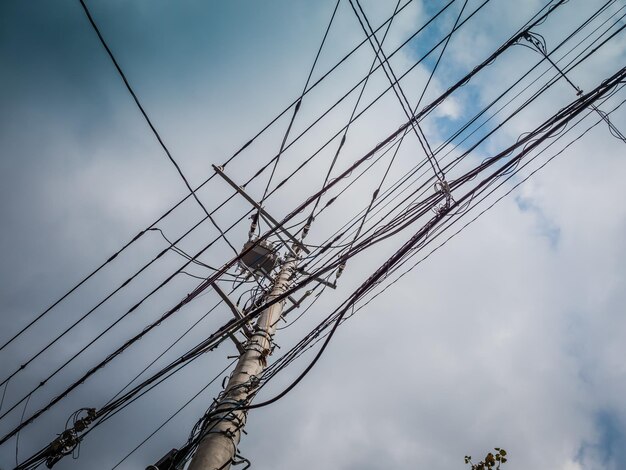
[247,331]
[240,347]
[296,304]
[332,285]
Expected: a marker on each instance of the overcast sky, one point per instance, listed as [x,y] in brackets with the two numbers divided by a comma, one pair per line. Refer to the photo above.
[512,335]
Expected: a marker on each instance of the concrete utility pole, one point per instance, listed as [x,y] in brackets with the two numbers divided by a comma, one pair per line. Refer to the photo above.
[217,449]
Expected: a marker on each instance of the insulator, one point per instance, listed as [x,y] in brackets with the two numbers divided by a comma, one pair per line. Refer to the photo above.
[253,225]
[340,269]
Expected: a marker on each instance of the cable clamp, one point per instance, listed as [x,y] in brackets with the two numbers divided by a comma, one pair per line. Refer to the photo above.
[69,439]
[443,187]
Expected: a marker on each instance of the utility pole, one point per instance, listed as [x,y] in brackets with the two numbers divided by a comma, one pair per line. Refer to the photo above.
[218,447]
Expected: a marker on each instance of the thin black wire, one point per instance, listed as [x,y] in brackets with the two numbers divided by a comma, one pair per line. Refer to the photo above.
[171,417]
[298,104]
[149,121]
[4,392]
[354,109]
[341,313]
[541,47]
[443,51]
[382,180]
[180,337]
[17,438]
[397,89]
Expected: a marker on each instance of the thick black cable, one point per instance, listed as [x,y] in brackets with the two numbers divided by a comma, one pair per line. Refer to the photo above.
[551,144]
[337,321]
[493,204]
[489,207]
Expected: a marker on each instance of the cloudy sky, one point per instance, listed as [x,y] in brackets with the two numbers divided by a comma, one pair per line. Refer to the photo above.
[511,336]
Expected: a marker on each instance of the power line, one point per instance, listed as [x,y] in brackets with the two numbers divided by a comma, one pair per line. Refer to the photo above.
[399,222]
[397,89]
[490,206]
[481,112]
[340,312]
[138,103]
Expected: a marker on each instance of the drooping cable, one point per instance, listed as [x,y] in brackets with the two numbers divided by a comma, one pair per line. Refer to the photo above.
[149,121]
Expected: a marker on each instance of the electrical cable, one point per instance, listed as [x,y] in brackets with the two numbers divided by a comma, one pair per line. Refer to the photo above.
[149,121]
[481,213]
[180,202]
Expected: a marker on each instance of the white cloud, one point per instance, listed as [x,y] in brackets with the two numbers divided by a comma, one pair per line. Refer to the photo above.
[509,336]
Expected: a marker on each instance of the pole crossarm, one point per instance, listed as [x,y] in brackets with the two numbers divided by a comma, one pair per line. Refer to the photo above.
[269,219]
